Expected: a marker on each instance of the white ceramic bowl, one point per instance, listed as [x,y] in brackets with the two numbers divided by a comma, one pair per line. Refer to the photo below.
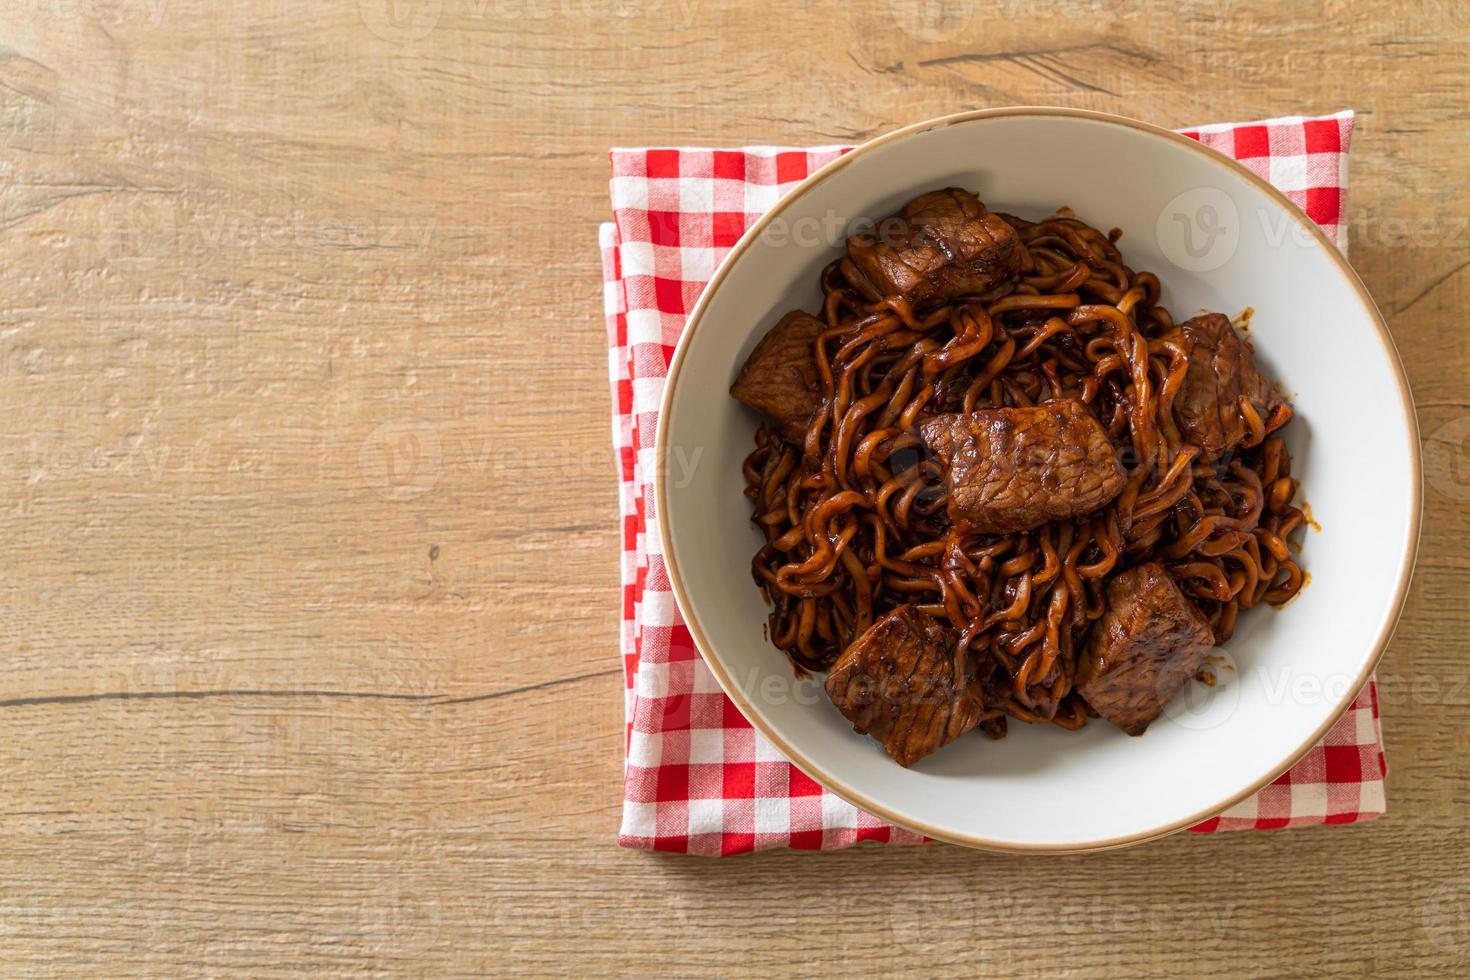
[1354,443]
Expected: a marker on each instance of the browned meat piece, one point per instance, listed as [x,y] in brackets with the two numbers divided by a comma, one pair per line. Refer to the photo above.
[1012,469]
[896,683]
[780,378]
[1222,368]
[1145,648]
[941,245]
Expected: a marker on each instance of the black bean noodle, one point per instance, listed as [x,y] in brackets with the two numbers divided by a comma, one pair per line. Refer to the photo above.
[854,517]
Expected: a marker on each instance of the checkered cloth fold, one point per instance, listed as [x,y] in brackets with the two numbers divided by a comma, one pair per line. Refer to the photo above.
[699,779]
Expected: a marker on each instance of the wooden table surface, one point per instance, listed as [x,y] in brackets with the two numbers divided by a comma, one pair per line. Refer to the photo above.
[309,559]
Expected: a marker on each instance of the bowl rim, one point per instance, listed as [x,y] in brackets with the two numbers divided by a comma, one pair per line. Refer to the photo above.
[793,753]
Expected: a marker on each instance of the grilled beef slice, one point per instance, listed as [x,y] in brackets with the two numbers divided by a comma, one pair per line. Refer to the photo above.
[1222,368]
[942,244]
[1012,469]
[780,378]
[1143,650]
[896,683]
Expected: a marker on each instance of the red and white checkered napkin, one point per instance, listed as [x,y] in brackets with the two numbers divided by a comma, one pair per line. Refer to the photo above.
[699,778]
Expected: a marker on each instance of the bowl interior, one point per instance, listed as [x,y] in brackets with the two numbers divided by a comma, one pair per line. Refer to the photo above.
[1353,444]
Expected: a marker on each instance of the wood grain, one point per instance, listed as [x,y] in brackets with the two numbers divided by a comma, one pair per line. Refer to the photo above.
[303,375]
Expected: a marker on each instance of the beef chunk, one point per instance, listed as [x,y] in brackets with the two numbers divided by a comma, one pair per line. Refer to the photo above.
[941,245]
[1222,367]
[1146,646]
[1012,469]
[896,683]
[780,378]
